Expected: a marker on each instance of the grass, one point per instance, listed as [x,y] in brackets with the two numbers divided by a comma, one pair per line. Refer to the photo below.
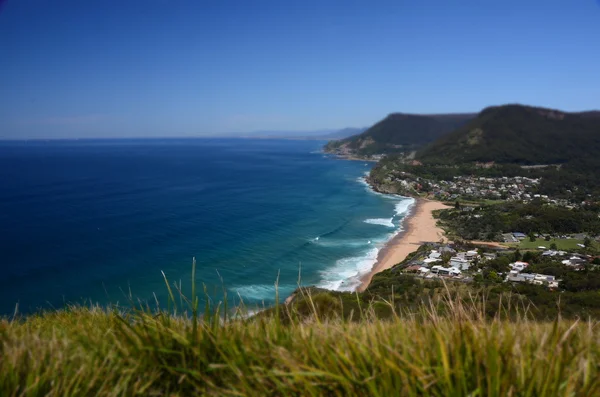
[91,351]
[561,244]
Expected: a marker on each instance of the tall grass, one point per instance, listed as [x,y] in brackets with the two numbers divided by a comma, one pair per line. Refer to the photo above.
[93,351]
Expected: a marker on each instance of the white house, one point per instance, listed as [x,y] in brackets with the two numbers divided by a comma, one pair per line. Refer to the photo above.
[471,254]
[445,271]
[435,255]
[519,266]
[460,263]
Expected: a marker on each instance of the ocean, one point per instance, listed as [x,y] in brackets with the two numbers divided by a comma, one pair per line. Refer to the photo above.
[96,221]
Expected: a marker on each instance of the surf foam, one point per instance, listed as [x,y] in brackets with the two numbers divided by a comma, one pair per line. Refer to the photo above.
[404,206]
[336,243]
[345,274]
[381,222]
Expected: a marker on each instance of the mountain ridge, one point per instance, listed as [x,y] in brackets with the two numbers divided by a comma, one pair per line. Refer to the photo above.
[399,132]
[520,134]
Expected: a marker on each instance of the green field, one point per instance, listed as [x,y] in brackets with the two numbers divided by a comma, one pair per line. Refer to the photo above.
[561,244]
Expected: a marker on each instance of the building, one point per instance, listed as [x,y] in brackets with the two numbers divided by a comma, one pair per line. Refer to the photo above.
[460,263]
[445,271]
[515,276]
[489,256]
[518,266]
[471,254]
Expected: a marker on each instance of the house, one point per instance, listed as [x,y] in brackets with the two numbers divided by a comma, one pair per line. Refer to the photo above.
[471,254]
[435,255]
[544,278]
[519,235]
[518,265]
[445,271]
[489,256]
[460,263]
[446,249]
[575,261]
[412,269]
[509,238]
[538,279]
[550,253]
[515,276]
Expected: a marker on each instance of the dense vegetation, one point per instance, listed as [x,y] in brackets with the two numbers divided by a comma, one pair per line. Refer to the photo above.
[519,134]
[576,181]
[487,222]
[400,132]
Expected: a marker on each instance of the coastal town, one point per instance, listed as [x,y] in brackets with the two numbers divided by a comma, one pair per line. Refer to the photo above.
[455,263]
[468,187]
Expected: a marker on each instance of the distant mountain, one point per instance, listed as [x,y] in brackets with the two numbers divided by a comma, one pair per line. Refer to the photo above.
[519,134]
[284,134]
[400,132]
[344,133]
[315,135]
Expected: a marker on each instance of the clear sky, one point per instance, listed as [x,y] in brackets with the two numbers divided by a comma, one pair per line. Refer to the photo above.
[91,68]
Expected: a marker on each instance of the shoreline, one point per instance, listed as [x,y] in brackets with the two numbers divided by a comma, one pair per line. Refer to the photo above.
[419,226]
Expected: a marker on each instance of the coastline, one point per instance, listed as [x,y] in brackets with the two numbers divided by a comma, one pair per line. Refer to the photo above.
[419,226]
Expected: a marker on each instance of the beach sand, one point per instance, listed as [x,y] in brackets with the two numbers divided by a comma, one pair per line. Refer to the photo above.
[419,227]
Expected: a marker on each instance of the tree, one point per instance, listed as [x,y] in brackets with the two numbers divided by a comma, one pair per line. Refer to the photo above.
[457,205]
[446,256]
[528,256]
[517,255]
[492,276]
[587,242]
[531,237]
[548,238]
[553,246]
[500,264]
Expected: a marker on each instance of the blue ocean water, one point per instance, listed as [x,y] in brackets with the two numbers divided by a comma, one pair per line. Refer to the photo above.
[85,221]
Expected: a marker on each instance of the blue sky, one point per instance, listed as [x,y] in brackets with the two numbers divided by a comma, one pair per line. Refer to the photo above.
[185,68]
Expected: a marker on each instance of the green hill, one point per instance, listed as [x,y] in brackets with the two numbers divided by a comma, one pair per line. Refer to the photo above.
[519,134]
[399,132]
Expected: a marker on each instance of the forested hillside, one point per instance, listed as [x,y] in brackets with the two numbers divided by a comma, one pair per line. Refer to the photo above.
[400,132]
[519,134]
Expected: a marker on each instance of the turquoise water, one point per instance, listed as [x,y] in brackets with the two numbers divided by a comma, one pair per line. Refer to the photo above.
[93,220]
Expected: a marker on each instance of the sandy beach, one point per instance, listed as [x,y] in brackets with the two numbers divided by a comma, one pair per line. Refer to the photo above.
[419,227]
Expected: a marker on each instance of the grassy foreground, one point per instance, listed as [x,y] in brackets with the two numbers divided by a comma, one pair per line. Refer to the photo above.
[97,352]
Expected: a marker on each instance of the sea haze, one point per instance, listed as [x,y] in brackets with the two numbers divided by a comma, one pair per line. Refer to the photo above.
[94,220]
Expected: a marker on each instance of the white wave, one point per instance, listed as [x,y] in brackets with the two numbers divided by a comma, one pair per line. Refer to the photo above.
[345,274]
[381,221]
[341,243]
[390,196]
[404,206]
[260,292]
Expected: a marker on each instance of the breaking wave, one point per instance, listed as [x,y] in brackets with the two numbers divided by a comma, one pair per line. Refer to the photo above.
[381,221]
